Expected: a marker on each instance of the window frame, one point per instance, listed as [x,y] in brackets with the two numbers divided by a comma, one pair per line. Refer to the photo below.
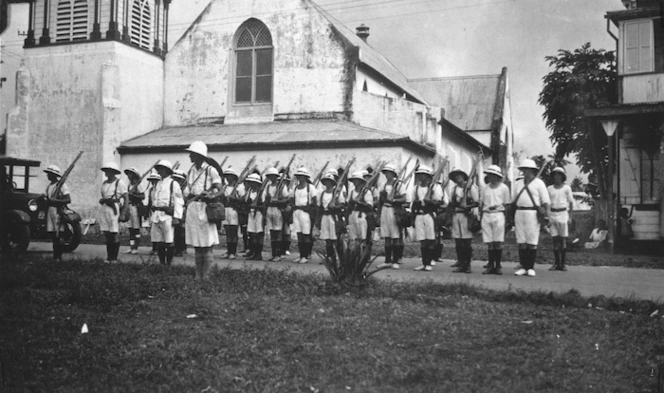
[623,47]
[254,65]
[71,22]
[141,29]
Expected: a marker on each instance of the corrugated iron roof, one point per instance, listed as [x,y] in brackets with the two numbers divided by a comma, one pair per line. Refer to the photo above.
[372,58]
[469,101]
[278,134]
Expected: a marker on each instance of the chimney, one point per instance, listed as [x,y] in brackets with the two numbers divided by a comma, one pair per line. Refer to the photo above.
[362,31]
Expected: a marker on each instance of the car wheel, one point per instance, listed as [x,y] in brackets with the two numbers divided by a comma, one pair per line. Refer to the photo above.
[70,237]
[15,237]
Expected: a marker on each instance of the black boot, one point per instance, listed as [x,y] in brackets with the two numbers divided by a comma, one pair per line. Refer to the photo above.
[250,247]
[258,248]
[438,252]
[556,257]
[463,264]
[57,251]
[458,262]
[170,250]
[398,254]
[490,265]
[388,254]
[497,259]
[116,251]
[161,252]
[563,255]
[523,256]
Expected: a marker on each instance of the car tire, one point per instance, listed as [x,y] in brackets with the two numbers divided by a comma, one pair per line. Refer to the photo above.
[70,238]
[14,237]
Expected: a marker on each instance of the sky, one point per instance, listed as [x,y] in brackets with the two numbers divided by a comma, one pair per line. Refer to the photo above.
[440,38]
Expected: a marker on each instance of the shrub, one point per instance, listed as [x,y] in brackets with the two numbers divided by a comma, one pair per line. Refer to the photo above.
[350,265]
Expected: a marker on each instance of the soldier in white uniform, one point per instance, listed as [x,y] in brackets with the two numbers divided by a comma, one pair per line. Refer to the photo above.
[303,201]
[167,205]
[462,205]
[391,198]
[275,198]
[203,185]
[426,200]
[329,208]
[55,200]
[255,219]
[178,223]
[494,200]
[360,206]
[233,195]
[113,203]
[136,194]
[562,202]
[153,178]
[530,199]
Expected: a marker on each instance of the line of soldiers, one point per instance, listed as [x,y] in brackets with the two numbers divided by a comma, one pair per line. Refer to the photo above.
[187,209]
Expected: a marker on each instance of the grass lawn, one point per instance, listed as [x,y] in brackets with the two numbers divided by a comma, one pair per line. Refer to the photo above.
[272,331]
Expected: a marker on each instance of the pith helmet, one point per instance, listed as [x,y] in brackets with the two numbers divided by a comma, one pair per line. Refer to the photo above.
[460,171]
[179,174]
[255,178]
[54,169]
[528,164]
[154,176]
[199,148]
[272,171]
[390,168]
[357,175]
[302,171]
[329,176]
[165,164]
[494,170]
[560,170]
[425,170]
[132,170]
[230,172]
[111,166]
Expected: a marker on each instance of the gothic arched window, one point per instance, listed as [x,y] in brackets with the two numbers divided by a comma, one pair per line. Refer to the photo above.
[141,24]
[253,63]
[71,21]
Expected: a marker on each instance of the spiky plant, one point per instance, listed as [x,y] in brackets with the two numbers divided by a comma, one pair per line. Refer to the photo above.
[350,264]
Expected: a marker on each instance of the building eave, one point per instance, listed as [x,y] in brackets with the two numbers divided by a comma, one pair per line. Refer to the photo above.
[614,111]
[446,124]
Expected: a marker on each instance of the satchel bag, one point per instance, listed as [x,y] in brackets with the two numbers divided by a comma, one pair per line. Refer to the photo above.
[474,224]
[69,216]
[216,212]
[403,217]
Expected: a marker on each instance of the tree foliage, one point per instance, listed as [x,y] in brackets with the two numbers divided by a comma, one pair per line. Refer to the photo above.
[581,79]
[576,184]
[546,173]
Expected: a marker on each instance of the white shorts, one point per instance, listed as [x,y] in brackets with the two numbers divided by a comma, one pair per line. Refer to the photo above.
[357,225]
[328,227]
[388,223]
[162,231]
[493,227]
[52,219]
[460,226]
[301,222]
[231,217]
[198,231]
[274,220]
[134,219]
[424,227]
[109,222]
[255,222]
[558,221]
[526,227]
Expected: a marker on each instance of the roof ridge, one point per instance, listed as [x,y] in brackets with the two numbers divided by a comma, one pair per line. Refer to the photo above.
[441,78]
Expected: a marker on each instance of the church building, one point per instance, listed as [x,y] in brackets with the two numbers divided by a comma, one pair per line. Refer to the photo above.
[249,77]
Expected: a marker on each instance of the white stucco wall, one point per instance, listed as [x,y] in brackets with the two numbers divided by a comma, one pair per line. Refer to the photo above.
[308,62]
[374,86]
[87,96]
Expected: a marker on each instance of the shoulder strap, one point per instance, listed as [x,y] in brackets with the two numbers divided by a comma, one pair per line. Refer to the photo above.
[115,192]
[170,198]
[531,196]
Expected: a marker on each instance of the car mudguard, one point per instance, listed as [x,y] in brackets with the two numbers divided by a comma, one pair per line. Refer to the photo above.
[15,217]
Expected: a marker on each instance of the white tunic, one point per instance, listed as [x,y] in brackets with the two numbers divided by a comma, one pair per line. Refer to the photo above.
[198,231]
[108,221]
[52,216]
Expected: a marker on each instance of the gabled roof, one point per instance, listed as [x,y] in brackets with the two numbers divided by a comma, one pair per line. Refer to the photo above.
[291,134]
[469,101]
[371,57]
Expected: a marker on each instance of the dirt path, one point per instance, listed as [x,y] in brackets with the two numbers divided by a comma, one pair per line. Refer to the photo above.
[646,284]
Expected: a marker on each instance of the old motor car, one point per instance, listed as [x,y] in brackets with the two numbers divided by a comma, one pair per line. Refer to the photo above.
[23,214]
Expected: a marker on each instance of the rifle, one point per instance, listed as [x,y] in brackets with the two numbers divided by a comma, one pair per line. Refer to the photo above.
[65,175]
[342,180]
[372,180]
[400,178]
[320,174]
[471,178]
[176,165]
[282,179]
[434,179]
[409,176]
